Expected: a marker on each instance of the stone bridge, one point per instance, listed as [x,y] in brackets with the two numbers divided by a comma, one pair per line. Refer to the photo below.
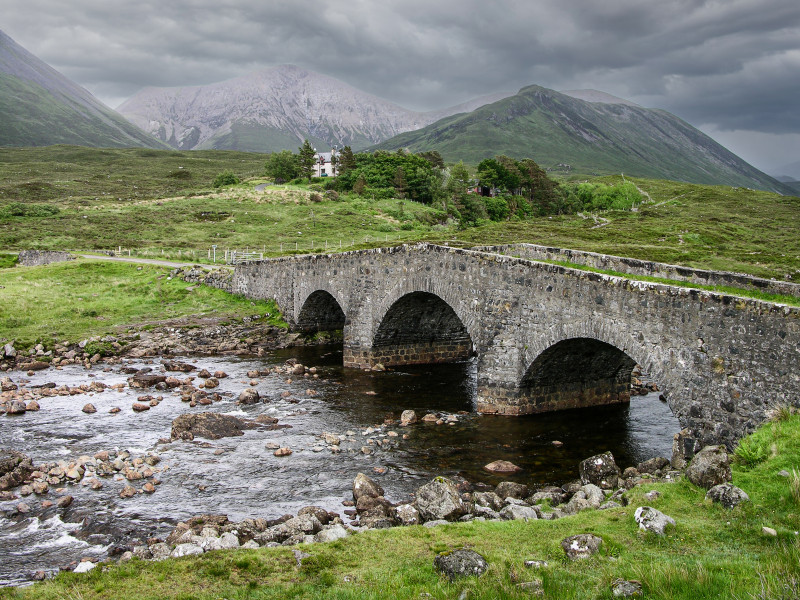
[546,337]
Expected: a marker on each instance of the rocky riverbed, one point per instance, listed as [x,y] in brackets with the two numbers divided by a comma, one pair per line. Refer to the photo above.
[209,418]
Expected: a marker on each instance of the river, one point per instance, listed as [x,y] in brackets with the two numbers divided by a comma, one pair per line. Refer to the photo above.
[240,477]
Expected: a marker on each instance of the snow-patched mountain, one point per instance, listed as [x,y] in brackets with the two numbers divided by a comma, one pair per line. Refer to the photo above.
[275,109]
[40,107]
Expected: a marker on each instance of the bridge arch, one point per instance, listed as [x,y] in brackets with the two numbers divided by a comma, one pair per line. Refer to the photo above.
[589,364]
[420,328]
[320,311]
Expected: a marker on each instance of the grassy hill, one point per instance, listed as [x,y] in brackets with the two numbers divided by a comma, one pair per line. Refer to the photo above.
[40,107]
[591,138]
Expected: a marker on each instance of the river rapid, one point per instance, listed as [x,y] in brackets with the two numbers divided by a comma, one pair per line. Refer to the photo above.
[240,476]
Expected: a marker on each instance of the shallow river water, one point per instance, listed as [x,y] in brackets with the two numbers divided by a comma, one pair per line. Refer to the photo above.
[241,478]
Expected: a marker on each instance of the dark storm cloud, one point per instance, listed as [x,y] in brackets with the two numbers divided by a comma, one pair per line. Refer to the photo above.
[727,64]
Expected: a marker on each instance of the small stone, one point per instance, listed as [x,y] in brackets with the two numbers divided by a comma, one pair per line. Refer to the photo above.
[140,407]
[284,451]
[272,445]
[502,466]
[557,444]
[127,492]
[535,587]
[622,588]
[408,417]
[652,495]
[581,546]
[115,410]
[650,519]
[536,564]
[32,406]
[64,501]
[769,531]
[148,488]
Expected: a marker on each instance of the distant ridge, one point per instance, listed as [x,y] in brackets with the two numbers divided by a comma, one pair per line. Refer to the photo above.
[275,109]
[40,107]
[600,135]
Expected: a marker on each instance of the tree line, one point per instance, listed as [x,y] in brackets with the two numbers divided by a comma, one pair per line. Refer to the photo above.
[502,188]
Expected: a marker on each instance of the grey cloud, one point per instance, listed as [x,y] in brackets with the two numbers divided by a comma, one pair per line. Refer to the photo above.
[731,65]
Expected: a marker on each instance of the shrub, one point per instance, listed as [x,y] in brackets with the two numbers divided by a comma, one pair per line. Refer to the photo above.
[315,197]
[751,452]
[19,209]
[497,208]
[385,228]
[794,485]
[225,178]
[332,195]
[180,174]
[407,226]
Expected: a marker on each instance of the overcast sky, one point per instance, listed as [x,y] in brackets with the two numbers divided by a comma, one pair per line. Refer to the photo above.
[729,67]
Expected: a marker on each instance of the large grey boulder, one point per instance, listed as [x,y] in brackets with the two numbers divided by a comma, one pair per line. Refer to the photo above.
[460,563]
[600,470]
[439,499]
[331,533]
[208,425]
[511,489]
[727,494]
[709,467]
[249,396]
[650,519]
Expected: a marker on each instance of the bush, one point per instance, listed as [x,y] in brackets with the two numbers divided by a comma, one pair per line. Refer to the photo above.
[407,226]
[315,197]
[385,228]
[497,208]
[180,174]
[225,178]
[751,452]
[332,195]
[18,209]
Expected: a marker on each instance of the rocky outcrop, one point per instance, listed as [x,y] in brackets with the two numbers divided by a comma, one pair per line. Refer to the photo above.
[728,495]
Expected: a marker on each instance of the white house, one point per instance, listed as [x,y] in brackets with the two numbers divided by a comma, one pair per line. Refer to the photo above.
[323,166]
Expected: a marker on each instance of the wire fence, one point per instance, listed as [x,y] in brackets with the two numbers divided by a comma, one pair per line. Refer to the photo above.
[217,254]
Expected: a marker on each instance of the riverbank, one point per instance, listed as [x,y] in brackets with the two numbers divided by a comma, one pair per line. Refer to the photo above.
[748,551]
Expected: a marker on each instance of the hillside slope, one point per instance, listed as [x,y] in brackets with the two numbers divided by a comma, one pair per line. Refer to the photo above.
[40,107]
[608,136]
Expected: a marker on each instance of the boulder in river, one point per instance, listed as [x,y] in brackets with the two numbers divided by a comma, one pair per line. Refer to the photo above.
[15,468]
[502,466]
[249,396]
[209,425]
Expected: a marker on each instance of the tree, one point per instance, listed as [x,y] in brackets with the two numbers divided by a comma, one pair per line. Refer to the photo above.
[433,157]
[400,183]
[282,166]
[347,160]
[360,185]
[307,160]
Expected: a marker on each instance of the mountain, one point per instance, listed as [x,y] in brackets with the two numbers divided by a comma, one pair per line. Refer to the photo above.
[591,132]
[40,107]
[788,172]
[275,109]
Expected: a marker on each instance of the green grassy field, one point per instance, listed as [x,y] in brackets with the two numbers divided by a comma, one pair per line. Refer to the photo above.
[712,552]
[72,301]
[144,202]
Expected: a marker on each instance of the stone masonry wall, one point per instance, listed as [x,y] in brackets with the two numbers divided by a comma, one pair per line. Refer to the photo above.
[721,361]
[36,258]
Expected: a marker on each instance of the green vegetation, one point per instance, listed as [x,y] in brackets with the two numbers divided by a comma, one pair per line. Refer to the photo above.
[225,178]
[80,299]
[150,209]
[712,553]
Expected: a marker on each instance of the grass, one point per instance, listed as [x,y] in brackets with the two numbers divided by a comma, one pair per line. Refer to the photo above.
[711,553]
[75,300]
[144,201]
